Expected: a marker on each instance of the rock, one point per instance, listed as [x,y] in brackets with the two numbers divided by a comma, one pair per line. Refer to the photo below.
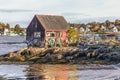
[95,53]
[76,55]
[1,58]
[43,54]
[89,55]
[54,58]
[69,58]
[82,53]
[17,58]
[49,51]
[74,51]
[62,61]
[114,56]
[22,58]
[41,60]
[25,52]
[33,58]
[106,58]
[20,51]
[65,54]
[35,51]
[100,57]
[12,54]
[59,56]
[48,59]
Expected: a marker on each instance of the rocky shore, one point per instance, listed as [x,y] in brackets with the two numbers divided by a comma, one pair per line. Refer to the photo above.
[81,54]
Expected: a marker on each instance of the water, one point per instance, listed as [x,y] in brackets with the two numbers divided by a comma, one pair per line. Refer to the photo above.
[6,48]
[60,72]
[53,72]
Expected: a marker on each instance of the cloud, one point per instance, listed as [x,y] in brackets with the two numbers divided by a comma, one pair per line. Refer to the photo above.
[74,14]
[22,11]
[16,10]
[14,18]
[22,23]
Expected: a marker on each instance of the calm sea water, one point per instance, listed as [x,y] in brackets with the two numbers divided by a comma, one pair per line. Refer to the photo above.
[60,72]
[52,72]
[6,48]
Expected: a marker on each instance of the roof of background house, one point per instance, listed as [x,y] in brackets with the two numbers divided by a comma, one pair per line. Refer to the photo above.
[1,27]
[53,22]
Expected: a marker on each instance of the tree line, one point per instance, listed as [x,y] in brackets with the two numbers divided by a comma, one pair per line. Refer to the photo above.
[16,29]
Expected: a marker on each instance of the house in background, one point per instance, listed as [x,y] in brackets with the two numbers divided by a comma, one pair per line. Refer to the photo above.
[87,28]
[114,29]
[6,32]
[47,30]
[103,28]
[82,29]
[1,31]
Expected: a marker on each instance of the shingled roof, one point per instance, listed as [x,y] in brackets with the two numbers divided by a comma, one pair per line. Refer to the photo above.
[53,22]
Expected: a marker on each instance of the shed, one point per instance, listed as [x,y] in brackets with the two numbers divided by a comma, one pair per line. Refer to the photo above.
[47,29]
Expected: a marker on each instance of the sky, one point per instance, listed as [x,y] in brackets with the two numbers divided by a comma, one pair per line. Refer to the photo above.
[22,11]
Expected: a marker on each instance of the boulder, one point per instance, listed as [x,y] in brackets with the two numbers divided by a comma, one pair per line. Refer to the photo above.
[59,56]
[36,50]
[11,54]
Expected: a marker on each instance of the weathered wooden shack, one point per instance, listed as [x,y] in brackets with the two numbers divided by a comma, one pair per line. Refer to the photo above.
[47,30]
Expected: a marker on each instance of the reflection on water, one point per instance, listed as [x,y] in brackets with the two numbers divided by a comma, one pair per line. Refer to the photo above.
[52,72]
[38,72]
[60,72]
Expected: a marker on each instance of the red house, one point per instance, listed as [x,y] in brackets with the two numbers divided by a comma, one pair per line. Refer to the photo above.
[47,30]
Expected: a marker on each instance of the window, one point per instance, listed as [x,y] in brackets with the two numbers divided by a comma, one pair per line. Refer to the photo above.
[37,34]
[50,34]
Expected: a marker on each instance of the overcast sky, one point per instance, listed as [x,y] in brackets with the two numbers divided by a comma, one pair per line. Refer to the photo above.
[22,11]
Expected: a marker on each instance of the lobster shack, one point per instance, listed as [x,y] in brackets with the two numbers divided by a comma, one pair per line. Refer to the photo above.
[47,30]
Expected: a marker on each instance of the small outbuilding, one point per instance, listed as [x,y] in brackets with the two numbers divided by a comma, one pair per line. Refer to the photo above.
[47,30]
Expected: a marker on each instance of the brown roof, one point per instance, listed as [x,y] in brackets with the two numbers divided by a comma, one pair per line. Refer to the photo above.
[53,22]
[1,27]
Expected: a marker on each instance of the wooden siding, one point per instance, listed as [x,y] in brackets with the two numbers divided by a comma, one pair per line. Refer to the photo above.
[42,25]
[35,26]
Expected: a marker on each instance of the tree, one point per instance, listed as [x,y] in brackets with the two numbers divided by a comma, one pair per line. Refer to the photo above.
[107,23]
[7,26]
[18,29]
[117,22]
[73,34]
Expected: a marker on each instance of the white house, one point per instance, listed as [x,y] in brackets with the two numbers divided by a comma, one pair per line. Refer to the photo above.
[87,30]
[82,29]
[6,31]
[114,29]
[103,28]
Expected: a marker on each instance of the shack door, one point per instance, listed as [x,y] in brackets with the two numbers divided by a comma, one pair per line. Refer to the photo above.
[64,34]
[37,38]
